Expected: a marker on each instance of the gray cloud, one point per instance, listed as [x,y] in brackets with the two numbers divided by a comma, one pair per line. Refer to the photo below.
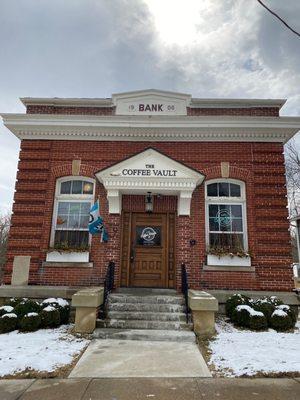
[92,48]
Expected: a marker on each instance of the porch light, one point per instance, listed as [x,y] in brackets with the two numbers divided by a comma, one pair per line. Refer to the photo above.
[149,202]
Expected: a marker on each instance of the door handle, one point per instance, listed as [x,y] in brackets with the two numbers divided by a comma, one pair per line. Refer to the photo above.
[132,255]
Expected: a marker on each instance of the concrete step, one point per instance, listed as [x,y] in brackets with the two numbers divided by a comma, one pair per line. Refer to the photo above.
[146,291]
[144,307]
[148,299]
[147,316]
[141,324]
[145,334]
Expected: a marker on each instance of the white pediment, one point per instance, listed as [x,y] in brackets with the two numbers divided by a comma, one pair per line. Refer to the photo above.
[150,171]
[151,102]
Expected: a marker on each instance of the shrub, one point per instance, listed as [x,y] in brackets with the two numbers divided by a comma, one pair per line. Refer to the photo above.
[50,317]
[281,321]
[8,322]
[275,301]
[30,322]
[62,306]
[241,315]
[27,306]
[14,301]
[234,301]
[258,321]
[6,310]
[290,312]
[266,306]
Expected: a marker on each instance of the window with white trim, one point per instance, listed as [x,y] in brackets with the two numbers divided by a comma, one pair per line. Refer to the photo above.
[73,200]
[226,223]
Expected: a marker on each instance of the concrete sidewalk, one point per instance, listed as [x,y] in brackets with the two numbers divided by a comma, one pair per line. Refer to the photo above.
[150,388]
[110,358]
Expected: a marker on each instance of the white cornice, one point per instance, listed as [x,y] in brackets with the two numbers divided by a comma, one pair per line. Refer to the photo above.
[151,128]
[236,103]
[190,101]
[66,102]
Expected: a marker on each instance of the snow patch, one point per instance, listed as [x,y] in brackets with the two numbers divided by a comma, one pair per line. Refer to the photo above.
[20,351]
[283,307]
[243,352]
[279,313]
[49,308]
[59,301]
[250,310]
[31,314]
[9,315]
[62,302]
[7,309]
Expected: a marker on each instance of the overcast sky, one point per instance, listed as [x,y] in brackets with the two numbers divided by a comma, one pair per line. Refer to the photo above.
[93,48]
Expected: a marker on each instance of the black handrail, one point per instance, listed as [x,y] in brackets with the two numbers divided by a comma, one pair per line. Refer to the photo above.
[185,290]
[108,287]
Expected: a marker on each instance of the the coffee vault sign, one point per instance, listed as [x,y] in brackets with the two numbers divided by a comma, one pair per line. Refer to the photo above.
[149,170]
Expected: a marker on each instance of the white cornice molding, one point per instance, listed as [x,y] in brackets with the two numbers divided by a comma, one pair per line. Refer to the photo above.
[236,103]
[164,94]
[66,102]
[151,128]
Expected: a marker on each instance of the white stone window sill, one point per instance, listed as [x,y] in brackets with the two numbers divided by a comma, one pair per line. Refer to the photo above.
[60,264]
[228,261]
[76,256]
[227,268]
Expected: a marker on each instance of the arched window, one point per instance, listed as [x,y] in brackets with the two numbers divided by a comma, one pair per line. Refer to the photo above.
[226,223]
[74,197]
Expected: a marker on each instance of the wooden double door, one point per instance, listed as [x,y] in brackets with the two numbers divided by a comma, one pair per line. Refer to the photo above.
[147,251]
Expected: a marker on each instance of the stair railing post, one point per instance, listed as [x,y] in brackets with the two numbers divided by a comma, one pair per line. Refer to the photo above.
[185,290]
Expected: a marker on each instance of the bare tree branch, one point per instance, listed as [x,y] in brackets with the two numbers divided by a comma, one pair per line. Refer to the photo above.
[4,231]
[292,165]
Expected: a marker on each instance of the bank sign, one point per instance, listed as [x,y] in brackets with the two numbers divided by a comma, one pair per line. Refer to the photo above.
[151,105]
[152,108]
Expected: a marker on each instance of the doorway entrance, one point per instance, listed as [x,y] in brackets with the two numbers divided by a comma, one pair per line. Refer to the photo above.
[147,255]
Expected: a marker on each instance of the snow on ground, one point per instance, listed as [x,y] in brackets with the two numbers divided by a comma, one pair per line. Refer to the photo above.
[44,350]
[243,352]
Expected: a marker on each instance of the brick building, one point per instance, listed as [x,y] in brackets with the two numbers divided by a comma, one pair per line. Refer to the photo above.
[179,180]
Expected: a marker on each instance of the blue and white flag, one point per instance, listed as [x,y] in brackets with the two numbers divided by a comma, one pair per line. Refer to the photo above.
[96,224]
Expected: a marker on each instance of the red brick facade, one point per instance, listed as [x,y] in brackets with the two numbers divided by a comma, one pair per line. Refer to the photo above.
[237,111]
[259,165]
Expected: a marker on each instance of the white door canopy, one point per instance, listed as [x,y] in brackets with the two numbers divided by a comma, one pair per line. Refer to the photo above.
[150,171]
